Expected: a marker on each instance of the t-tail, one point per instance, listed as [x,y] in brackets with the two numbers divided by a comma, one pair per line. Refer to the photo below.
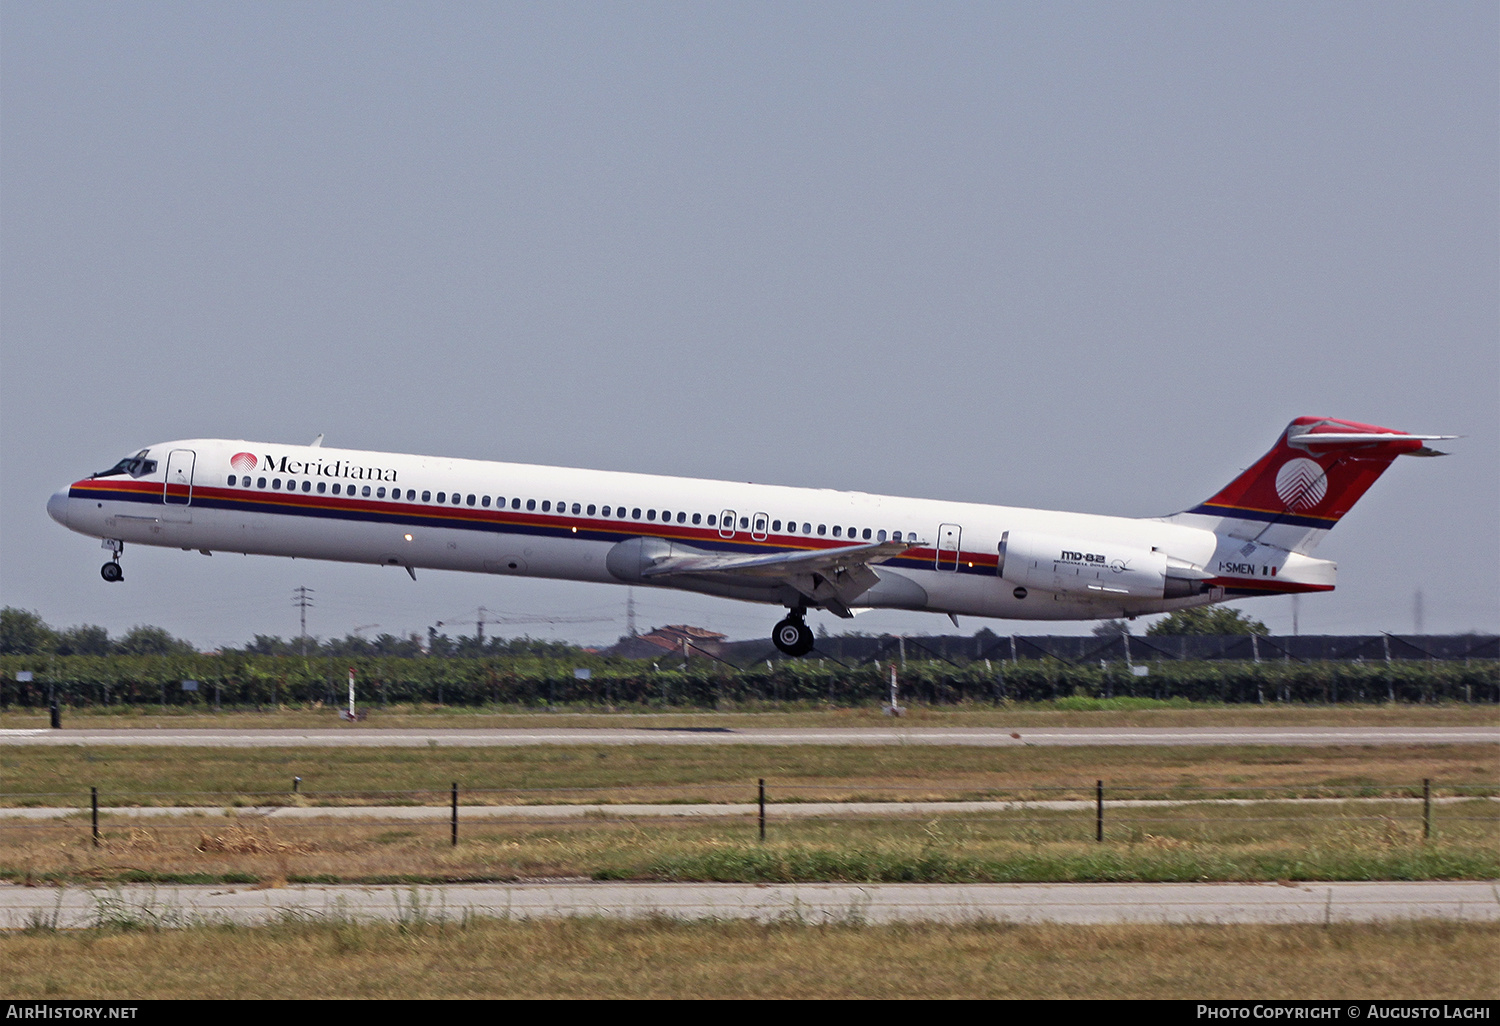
[1291,497]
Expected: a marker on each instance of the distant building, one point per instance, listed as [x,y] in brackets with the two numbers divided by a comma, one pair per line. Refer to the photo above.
[668,641]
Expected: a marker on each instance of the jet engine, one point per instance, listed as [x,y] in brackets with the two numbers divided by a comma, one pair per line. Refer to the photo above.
[1072,565]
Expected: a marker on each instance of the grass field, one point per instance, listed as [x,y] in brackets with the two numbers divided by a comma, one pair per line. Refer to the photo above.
[1259,841]
[599,958]
[574,958]
[143,775]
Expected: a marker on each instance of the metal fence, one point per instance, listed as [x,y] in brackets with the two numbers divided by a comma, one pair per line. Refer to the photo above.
[1199,648]
[1099,811]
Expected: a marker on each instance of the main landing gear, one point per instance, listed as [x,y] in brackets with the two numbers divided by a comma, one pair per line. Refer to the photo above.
[792,635]
[111,571]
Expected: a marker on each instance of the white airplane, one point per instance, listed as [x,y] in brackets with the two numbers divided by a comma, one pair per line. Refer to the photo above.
[800,548]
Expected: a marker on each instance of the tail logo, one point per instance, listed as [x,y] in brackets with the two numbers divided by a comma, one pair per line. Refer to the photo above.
[1301,484]
[243,461]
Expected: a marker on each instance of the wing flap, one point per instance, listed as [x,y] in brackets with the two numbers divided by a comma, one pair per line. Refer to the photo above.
[779,565]
[832,578]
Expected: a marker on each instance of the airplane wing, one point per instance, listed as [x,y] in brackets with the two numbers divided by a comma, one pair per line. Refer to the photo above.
[833,578]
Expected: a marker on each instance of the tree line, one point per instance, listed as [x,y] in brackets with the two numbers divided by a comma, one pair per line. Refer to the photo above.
[24,632]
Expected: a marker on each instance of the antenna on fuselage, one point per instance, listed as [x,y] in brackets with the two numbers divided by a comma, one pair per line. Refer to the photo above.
[316,442]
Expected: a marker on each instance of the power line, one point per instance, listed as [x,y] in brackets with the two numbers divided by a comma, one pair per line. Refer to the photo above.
[301,600]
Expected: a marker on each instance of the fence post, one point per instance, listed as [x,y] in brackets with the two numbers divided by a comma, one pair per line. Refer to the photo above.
[1099,810]
[454,819]
[1426,808]
[762,809]
[94,801]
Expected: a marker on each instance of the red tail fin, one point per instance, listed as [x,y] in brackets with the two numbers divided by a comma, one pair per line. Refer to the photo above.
[1315,472]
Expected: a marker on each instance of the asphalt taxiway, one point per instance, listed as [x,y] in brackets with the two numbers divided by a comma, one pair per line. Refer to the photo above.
[360,735]
[1285,902]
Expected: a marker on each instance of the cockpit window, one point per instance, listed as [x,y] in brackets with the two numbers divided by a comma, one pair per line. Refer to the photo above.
[135,466]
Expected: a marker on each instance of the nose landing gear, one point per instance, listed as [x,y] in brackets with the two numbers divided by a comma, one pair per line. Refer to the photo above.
[111,571]
[792,635]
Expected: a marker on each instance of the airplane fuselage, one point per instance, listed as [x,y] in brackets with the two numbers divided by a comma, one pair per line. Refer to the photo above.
[422,512]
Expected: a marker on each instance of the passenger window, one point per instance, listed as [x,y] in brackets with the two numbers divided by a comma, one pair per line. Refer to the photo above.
[666,517]
[604,511]
[411,493]
[380,493]
[635,514]
[682,518]
[807,528]
[530,504]
[866,534]
[276,484]
[591,509]
[485,502]
[515,503]
[650,514]
[880,536]
[710,520]
[442,496]
[322,487]
[776,526]
[836,530]
[546,505]
[336,489]
[760,525]
[232,480]
[426,495]
[822,528]
[697,518]
[620,512]
[744,523]
[307,486]
[365,491]
[261,483]
[457,498]
[469,500]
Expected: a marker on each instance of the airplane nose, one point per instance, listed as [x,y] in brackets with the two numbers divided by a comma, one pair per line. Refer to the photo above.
[57,506]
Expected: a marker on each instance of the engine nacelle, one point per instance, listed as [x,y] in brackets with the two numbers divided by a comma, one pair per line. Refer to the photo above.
[1061,564]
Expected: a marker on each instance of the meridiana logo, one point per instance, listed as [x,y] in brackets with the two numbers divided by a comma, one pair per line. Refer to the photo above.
[1301,484]
[243,461]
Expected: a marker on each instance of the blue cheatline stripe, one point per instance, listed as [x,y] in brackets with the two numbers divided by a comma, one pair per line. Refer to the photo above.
[308,507]
[1240,513]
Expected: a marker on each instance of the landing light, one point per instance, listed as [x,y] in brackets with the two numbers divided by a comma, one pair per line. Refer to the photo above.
[408,537]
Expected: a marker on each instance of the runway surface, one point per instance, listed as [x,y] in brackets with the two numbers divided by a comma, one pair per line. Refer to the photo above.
[170,906]
[1001,737]
[704,810]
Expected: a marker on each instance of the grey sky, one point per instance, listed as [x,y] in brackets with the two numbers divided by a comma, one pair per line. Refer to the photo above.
[1074,256]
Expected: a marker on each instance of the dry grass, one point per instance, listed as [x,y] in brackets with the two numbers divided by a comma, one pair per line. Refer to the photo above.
[1253,842]
[1014,714]
[608,773]
[594,958]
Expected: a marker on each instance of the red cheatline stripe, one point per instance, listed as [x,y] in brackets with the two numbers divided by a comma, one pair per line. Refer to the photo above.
[326,503]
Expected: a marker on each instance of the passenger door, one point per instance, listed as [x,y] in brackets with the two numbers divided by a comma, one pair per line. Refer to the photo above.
[177,492]
[949,536]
